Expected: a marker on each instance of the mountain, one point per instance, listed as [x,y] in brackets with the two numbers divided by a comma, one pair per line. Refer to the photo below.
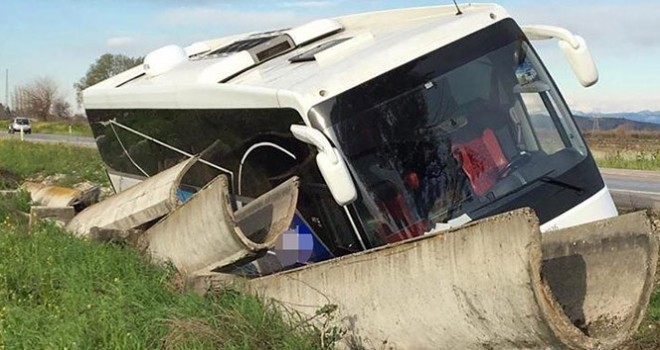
[643,116]
[586,123]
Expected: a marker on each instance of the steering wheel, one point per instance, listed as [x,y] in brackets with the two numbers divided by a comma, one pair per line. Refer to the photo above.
[520,159]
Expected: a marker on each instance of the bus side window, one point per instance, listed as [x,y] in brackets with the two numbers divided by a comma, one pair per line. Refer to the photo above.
[267,163]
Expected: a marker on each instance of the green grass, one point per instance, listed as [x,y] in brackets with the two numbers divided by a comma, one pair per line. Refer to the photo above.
[30,160]
[640,160]
[648,335]
[61,292]
[62,128]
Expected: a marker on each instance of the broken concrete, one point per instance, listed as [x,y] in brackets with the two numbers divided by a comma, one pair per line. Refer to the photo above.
[146,202]
[52,196]
[205,233]
[58,197]
[115,236]
[61,215]
[493,284]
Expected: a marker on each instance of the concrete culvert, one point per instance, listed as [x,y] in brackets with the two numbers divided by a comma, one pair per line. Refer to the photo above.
[493,284]
[205,233]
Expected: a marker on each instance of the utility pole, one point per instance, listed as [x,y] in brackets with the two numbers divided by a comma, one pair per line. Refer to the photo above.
[7,87]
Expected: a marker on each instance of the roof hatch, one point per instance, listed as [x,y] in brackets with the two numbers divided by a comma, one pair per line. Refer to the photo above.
[309,54]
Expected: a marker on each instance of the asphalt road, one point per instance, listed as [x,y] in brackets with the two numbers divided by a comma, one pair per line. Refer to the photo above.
[629,188]
[633,188]
[85,141]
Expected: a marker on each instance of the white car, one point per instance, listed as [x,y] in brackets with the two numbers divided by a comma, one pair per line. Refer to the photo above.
[19,124]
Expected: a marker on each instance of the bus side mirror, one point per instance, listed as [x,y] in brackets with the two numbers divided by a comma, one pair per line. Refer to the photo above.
[572,46]
[330,163]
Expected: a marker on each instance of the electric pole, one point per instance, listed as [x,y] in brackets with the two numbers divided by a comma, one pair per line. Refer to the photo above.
[6,87]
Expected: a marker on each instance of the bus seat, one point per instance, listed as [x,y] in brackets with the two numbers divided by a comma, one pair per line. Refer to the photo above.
[392,204]
[481,158]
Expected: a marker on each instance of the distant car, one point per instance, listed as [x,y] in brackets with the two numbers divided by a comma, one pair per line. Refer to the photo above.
[19,124]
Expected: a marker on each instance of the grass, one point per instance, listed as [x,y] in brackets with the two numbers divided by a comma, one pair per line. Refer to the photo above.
[623,149]
[61,128]
[61,292]
[25,160]
[648,335]
[636,160]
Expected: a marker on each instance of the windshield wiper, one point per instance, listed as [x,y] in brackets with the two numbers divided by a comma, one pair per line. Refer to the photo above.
[552,180]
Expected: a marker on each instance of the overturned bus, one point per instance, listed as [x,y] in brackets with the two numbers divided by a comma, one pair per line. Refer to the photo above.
[402,126]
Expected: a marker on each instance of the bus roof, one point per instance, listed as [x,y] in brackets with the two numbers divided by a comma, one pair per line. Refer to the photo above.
[323,59]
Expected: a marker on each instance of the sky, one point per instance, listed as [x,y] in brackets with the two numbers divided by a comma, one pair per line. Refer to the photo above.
[60,39]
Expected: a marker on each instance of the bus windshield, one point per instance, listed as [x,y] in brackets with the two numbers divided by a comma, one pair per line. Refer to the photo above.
[443,137]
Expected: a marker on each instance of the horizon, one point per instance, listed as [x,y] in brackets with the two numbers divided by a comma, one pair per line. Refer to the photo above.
[60,39]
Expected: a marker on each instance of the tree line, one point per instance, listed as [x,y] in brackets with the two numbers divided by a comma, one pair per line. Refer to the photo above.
[41,99]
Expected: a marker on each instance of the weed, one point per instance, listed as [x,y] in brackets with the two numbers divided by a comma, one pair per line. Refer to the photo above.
[60,292]
[25,159]
[62,128]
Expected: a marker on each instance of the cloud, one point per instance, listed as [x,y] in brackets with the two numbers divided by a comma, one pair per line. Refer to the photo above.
[620,26]
[622,101]
[119,41]
[234,19]
[309,4]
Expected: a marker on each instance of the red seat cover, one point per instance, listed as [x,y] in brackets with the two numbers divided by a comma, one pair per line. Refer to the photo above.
[481,159]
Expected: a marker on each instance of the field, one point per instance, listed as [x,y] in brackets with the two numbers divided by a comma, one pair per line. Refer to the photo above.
[625,149]
[60,292]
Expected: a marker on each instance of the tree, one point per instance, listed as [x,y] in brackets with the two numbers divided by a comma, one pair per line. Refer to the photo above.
[106,66]
[36,99]
[61,108]
[5,113]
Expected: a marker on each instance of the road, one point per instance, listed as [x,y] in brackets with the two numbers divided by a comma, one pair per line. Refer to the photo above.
[85,141]
[633,188]
[629,188]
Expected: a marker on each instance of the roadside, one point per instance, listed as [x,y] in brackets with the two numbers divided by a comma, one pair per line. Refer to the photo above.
[626,150]
[61,128]
[59,291]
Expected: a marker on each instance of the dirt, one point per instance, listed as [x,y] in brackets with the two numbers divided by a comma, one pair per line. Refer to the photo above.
[629,142]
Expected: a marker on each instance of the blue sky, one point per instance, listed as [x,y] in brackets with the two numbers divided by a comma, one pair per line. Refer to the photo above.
[61,38]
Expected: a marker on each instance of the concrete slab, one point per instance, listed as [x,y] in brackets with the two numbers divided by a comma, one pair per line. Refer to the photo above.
[493,284]
[146,202]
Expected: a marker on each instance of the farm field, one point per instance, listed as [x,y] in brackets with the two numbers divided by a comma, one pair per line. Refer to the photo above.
[627,150]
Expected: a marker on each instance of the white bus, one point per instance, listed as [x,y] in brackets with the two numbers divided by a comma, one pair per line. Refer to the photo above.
[398,123]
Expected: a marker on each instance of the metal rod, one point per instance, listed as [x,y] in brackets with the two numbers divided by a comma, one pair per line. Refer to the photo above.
[161,143]
[355,229]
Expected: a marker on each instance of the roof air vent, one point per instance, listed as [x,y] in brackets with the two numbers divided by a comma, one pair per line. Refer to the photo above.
[314,30]
[272,48]
[238,46]
[162,60]
[260,48]
[309,55]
